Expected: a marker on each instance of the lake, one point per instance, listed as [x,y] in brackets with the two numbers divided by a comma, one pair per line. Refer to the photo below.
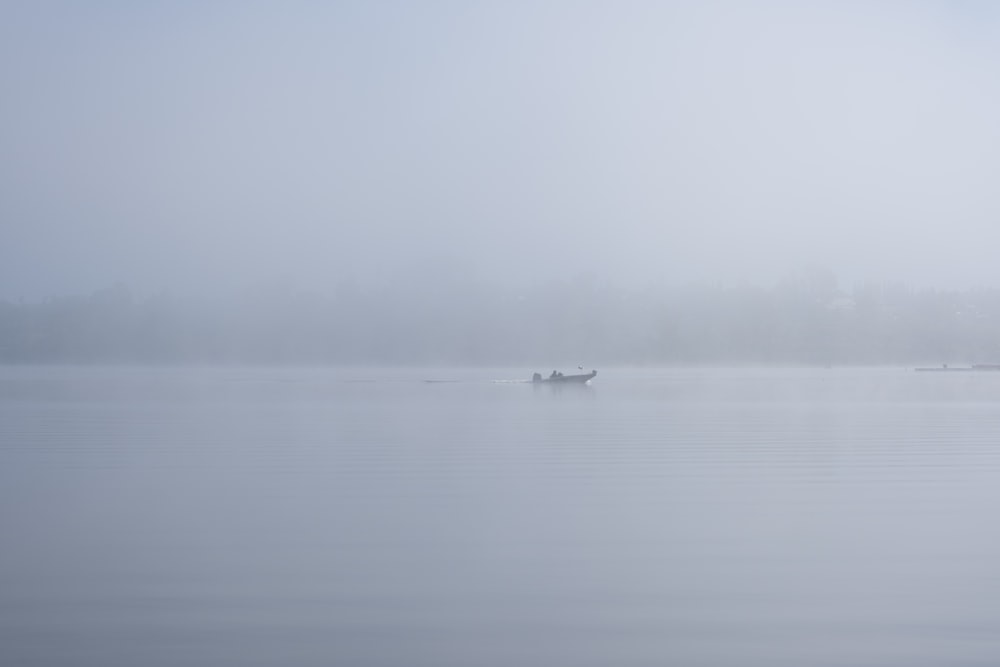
[363,517]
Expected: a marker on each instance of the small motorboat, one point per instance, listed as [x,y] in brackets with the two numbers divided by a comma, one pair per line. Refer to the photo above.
[559,378]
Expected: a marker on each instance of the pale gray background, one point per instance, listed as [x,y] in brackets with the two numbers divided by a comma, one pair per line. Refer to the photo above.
[204,147]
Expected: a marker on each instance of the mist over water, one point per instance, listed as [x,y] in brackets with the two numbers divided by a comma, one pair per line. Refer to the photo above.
[253,516]
[806,319]
[274,280]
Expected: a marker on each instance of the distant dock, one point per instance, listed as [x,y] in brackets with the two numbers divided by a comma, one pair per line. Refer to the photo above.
[960,369]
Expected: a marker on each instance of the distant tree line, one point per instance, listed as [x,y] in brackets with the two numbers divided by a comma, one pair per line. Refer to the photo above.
[806,319]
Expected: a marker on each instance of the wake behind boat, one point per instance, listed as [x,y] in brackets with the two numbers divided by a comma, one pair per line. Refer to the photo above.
[559,378]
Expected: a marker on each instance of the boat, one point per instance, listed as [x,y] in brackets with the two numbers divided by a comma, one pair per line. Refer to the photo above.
[559,378]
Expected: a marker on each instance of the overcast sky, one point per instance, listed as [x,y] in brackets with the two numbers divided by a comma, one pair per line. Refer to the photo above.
[184,146]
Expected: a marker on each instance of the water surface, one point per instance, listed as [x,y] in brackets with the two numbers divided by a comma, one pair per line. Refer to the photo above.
[368,517]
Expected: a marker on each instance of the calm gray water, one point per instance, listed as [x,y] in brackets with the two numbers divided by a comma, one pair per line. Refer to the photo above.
[367,517]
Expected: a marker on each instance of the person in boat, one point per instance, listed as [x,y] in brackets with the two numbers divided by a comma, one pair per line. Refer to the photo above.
[554,375]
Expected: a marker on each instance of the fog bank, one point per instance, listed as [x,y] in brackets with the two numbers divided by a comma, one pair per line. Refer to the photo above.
[190,146]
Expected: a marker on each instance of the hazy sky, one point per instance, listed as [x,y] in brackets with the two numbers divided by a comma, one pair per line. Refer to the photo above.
[183,145]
